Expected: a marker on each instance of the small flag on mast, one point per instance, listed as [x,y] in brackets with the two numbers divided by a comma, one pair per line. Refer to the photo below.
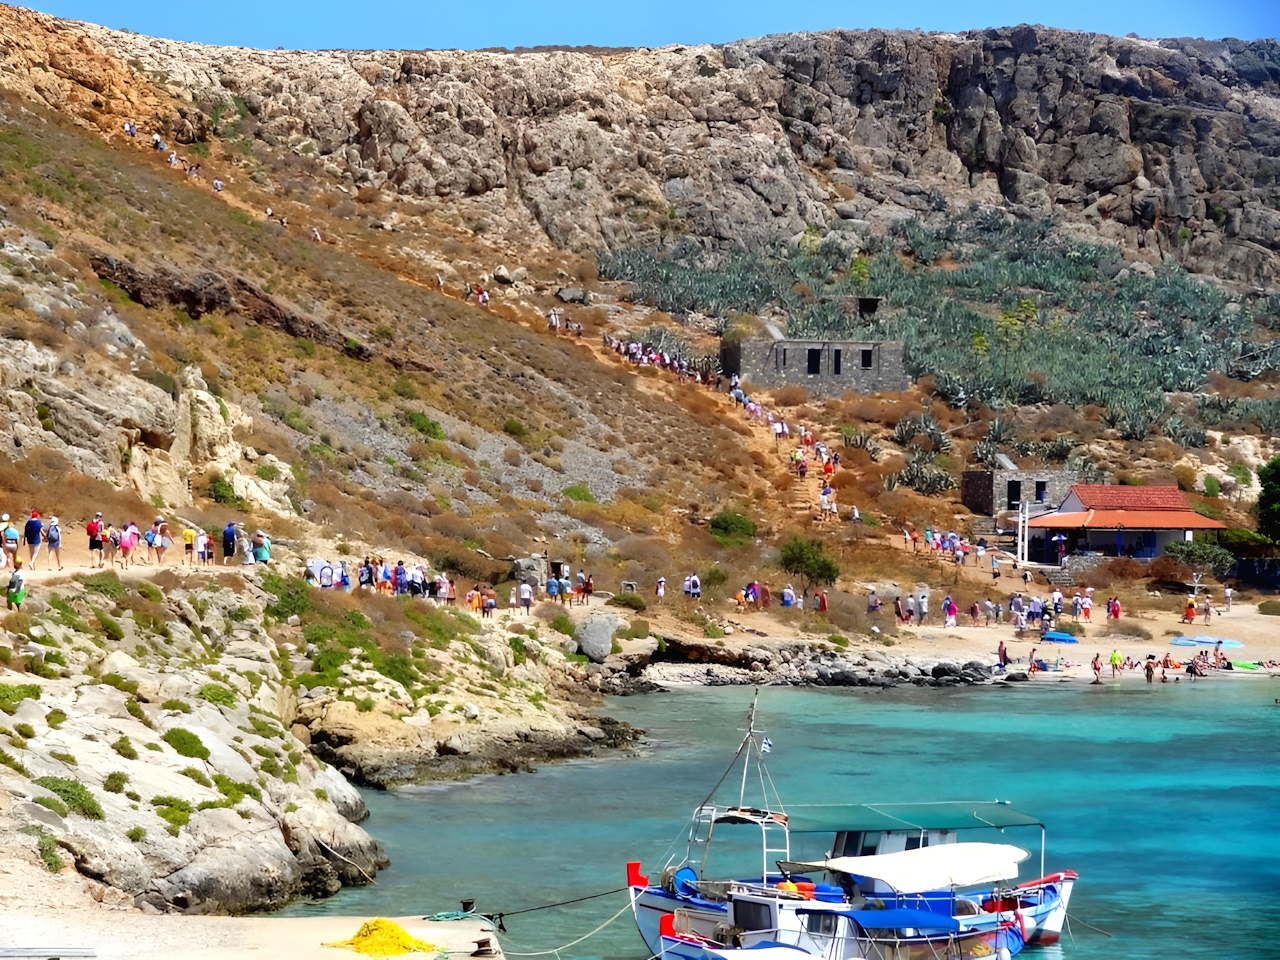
[766,746]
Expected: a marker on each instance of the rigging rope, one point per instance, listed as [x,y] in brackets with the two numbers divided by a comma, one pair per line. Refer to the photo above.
[573,943]
[561,903]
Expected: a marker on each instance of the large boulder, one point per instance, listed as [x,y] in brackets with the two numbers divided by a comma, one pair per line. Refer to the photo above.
[594,635]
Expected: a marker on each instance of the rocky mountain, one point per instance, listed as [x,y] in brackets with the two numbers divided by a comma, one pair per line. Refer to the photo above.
[1170,148]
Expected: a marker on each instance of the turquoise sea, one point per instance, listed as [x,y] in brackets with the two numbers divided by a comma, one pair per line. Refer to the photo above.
[1166,799]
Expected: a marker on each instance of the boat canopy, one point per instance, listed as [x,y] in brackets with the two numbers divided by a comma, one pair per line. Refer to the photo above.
[950,815]
[899,919]
[927,868]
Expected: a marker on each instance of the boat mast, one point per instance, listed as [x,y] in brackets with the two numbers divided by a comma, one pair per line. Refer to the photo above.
[749,738]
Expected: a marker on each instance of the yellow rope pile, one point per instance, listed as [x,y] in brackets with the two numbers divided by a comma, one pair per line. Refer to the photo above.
[384,938]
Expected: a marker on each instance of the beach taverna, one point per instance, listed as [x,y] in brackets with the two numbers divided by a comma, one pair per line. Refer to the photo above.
[1111,521]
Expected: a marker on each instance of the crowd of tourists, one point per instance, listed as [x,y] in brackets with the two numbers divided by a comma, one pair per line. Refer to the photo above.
[642,354]
[379,575]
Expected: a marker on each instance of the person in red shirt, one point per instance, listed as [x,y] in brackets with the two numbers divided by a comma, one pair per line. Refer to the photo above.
[94,528]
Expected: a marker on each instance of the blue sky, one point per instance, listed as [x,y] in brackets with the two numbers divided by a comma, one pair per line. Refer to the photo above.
[501,23]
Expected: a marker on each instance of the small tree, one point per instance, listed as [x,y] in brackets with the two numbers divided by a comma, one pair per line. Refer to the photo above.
[1269,500]
[1202,557]
[808,560]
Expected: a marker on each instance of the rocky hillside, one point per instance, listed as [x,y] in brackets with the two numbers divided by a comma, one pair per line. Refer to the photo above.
[1171,148]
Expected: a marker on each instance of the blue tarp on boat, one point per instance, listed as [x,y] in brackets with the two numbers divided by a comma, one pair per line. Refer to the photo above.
[897,919]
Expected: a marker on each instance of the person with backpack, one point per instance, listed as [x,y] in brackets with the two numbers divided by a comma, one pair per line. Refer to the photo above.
[94,529]
[32,534]
[10,538]
[228,541]
[53,537]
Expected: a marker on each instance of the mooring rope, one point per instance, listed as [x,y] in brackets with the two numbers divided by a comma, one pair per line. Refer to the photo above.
[573,943]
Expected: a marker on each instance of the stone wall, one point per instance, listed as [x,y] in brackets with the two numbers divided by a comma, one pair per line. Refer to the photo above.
[824,367]
[987,491]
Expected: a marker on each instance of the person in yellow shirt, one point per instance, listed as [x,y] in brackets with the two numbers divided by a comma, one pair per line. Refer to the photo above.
[188,547]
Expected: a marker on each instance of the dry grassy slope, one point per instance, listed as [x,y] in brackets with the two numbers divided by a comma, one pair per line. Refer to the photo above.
[367,471]
[652,450]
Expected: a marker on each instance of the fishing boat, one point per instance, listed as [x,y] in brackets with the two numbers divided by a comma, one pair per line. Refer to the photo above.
[903,865]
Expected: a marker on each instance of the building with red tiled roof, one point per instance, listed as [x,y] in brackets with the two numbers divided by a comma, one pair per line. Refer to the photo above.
[1114,521]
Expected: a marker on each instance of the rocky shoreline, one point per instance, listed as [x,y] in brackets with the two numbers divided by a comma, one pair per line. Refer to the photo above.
[782,663]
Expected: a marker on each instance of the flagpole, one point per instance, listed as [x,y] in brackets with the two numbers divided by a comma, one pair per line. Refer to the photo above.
[751,736]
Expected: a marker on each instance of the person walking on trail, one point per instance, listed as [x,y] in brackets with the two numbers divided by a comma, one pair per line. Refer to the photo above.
[1207,608]
[17,591]
[1228,593]
[94,530]
[660,590]
[695,587]
[553,589]
[53,537]
[923,607]
[1116,660]
[526,595]
[188,546]
[32,534]
[228,541]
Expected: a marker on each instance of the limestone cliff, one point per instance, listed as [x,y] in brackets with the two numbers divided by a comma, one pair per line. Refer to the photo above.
[1170,147]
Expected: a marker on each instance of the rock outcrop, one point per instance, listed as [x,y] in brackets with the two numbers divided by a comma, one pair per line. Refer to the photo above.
[1165,147]
[199,799]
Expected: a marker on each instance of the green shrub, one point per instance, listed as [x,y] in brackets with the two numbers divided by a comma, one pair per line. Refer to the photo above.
[73,794]
[178,705]
[615,646]
[270,765]
[110,626]
[293,596]
[26,730]
[54,804]
[1270,608]
[233,790]
[632,601]
[515,428]
[518,652]
[186,744]
[732,529]
[149,591]
[1242,474]
[135,710]
[154,746]
[221,491]
[579,493]
[1212,487]
[120,683]
[561,623]
[713,631]
[321,793]
[219,695]
[125,748]
[13,763]
[67,758]
[196,775]
[268,472]
[115,781]
[47,847]
[423,424]
[172,810]
[838,640]
[105,583]
[136,834]
[11,695]
[55,718]
[133,795]
[403,387]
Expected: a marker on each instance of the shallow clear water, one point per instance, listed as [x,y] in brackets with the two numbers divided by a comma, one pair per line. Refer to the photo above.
[1163,798]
